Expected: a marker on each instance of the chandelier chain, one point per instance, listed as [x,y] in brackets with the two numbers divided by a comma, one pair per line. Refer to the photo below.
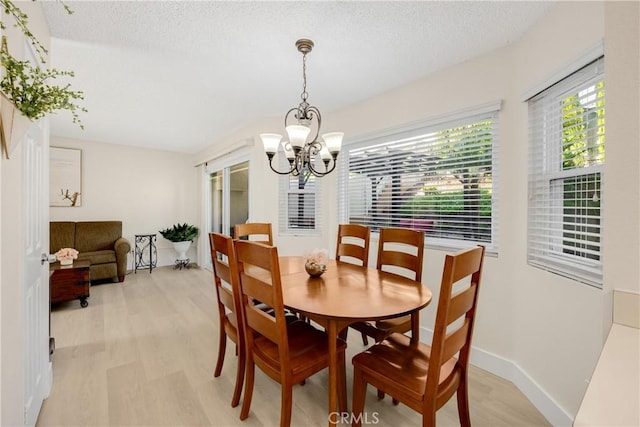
[304,94]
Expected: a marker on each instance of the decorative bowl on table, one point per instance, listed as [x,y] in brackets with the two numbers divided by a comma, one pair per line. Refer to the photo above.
[316,262]
[314,269]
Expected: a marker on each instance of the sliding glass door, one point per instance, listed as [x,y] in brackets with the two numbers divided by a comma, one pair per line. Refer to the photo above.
[229,197]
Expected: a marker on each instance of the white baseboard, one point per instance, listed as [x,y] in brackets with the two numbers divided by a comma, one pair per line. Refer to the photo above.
[510,371]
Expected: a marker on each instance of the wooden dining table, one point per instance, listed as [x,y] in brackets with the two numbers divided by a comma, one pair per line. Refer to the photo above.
[345,294]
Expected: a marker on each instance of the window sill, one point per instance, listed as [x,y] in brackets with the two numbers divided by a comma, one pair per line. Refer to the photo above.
[612,395]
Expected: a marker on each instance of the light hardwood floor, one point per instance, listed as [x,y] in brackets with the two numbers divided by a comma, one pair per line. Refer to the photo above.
[143,354]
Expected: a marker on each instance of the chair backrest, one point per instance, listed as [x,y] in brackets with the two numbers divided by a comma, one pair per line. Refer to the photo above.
[225,274]
[450,339]
[261,229]
[353,242]
[401,247]
[259,271]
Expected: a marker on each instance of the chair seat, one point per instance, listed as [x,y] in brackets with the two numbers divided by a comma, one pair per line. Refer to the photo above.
[395,323]
[380,329]
[368,329]
[308,348]
[395,357]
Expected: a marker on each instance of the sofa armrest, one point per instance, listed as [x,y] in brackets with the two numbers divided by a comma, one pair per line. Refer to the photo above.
[122,248]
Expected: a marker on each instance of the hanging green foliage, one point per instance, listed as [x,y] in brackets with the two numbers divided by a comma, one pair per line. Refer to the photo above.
[28,86]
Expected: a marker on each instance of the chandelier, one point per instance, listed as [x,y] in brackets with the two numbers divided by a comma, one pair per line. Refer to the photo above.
[302,124]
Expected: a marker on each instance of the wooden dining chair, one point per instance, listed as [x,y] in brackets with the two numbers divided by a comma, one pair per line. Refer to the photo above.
[400,251]
[226,279]
[425,377]
[259,232]
[353,243]
[251,230]
[288,352]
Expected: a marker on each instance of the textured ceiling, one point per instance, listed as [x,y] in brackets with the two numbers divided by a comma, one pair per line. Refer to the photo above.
[179,75]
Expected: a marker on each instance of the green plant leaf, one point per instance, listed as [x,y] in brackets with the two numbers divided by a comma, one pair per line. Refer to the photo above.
[180,232]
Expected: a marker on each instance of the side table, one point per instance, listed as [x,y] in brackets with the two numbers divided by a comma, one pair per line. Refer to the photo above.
[145,253]
[69,282]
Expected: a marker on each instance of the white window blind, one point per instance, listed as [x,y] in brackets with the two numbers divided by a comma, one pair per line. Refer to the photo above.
[299,210]
[437,178]
[566,158]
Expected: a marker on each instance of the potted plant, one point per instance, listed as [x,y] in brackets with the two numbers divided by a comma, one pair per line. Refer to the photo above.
[181,235]
[26,90]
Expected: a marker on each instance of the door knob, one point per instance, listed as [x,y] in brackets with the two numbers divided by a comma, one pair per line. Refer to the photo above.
[47,258]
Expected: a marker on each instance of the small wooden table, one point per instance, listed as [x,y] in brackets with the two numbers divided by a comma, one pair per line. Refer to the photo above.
[346,294]
[69,282]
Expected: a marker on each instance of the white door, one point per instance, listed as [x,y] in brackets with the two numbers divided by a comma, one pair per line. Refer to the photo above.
[37,367]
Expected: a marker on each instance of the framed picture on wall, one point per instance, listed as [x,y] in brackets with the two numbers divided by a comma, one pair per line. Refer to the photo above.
[65,181]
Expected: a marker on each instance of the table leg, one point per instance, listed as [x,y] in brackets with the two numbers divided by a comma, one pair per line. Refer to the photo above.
[415,327]
[337,375]
[332,332]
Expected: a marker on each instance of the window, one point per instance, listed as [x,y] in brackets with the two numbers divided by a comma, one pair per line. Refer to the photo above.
[299,203]
[436,177]
[566,158]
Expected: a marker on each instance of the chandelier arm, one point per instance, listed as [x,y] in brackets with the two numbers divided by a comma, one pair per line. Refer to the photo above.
[326,172]
[313,147]
[277,171]
[319,116]
[294,110]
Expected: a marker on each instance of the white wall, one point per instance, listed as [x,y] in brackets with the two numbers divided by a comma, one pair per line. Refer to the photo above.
[622,45]
[542,331]
[12,356]
[560,323]
[148,190]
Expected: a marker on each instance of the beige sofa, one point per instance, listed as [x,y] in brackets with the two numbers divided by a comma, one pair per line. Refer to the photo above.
[100,242]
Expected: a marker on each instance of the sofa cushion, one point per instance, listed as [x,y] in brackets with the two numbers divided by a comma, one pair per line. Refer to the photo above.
[97,235]
[99,257]
[61,235]
[103,271]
